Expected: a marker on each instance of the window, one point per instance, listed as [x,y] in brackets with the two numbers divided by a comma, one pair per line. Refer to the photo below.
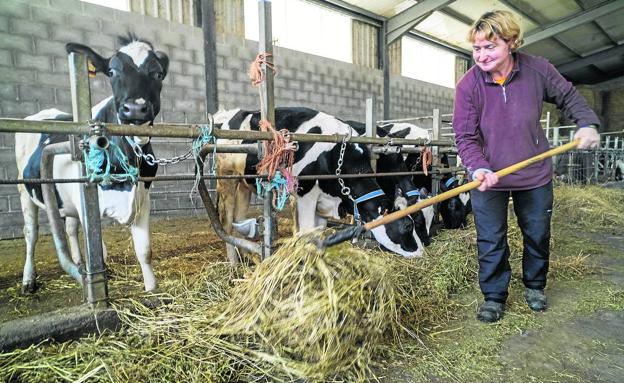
[124,5]
[427,63]
[305,27]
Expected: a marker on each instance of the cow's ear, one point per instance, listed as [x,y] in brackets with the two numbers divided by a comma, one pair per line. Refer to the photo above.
[100,63]
[424,193]
[401,133]
[164,61]
[443,185]
[382,130]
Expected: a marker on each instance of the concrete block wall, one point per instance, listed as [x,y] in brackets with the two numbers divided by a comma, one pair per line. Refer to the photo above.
[34,76]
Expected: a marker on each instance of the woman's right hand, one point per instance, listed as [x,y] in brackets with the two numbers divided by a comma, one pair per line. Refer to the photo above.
[487,179]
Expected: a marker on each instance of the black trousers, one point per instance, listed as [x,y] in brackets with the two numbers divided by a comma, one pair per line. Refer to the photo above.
[533,209]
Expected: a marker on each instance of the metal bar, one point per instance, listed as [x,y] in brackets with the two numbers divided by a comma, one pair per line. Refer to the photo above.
[574,20]
[371,128]
[214,216]
[54,216]
[265,46]
[80,95]
[435,163]
[438,43]
[191,131]
[210,55]
[190,177]
[354,11]
[95,286]
[384,47]
[592,59]
[399,24]
[412,119]
[267,112]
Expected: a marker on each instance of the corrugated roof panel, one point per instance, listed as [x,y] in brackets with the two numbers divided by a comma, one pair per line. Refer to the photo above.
[475,8]
[586,39]
[445,28]
[552,50]
[550,10]
[613,25]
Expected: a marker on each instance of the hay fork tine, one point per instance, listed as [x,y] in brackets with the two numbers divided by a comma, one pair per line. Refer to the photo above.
[352,232]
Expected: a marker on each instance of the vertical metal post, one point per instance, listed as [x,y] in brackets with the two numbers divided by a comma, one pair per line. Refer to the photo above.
[210,55]
[371,128]
[547,125]
[95,286]
[435,160]
[385,66]
[596,158]
[267,112]
[571,161]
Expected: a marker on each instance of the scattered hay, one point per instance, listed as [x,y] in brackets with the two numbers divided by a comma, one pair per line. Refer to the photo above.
[301,315]
[590,207]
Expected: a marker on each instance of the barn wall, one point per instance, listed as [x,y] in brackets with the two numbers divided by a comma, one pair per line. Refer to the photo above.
[34,76]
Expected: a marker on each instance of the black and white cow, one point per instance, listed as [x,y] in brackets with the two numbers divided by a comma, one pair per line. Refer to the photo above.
[619,170]
[136,72]
[453,210]
[401,187]
[319,199]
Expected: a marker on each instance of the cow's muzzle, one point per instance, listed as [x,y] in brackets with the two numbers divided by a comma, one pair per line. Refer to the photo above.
[138,114]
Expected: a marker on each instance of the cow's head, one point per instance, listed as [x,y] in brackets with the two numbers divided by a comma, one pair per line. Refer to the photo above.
[454,210]
[136,73]
[397,236]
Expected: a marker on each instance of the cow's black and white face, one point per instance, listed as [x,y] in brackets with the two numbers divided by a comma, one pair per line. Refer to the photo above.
[136,74]
[454,210]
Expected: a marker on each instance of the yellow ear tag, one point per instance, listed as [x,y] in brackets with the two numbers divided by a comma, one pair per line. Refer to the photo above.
[91,69]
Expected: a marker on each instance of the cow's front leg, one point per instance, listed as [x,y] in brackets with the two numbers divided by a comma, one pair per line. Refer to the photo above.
[226,190]
[71,227]
[141,239]
[31,233]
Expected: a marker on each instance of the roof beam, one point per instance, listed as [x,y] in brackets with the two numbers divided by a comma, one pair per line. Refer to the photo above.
[574,20]
[355,12]
[401,23]
[591,60]
[524,14]
[457,16]
[581,5]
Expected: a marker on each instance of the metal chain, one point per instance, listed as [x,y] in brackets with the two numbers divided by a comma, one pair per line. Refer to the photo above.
[151,160]
[345,190]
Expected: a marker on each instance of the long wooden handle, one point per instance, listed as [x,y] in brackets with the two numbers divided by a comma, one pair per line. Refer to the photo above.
[467,187]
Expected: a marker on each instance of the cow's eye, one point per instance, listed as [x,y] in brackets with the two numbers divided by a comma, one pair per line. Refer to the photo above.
[112,72]
[158,75]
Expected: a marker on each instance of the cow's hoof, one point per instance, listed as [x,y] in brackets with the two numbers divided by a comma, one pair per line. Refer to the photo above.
[30,287]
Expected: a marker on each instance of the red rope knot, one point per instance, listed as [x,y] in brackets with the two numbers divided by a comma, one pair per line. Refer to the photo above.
[426,158]
[279,155]
[256,74]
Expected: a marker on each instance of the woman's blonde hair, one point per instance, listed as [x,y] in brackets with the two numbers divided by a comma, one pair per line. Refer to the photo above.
[498,23]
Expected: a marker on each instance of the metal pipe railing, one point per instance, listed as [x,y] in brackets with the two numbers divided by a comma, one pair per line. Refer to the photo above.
[190,177]
[193,131]
[54,215]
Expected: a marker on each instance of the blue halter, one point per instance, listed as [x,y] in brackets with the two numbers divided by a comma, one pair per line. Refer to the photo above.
[365,197]
[413,193]
[449,182]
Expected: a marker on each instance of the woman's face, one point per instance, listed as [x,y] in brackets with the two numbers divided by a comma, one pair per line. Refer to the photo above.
[491,56]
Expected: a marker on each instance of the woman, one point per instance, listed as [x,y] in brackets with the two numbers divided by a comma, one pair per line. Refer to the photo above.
[498,106]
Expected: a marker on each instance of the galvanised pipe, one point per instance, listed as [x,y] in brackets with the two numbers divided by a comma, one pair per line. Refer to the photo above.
[228,177]
[52,209]
[214,216]
[193,131]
